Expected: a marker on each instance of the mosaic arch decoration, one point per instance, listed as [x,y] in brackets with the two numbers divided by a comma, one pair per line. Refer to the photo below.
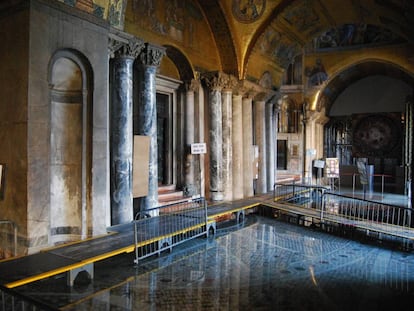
[349,35]
[111,10]
[248,11]
[177,19]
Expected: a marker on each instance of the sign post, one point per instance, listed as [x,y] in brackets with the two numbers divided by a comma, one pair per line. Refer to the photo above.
[199,148]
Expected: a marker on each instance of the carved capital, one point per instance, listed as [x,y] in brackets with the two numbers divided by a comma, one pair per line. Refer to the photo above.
[192,85]
[215,80]
[130,48]
[151,55]
[231,82]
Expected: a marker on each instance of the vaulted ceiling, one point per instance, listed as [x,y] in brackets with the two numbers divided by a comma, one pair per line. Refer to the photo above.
[298,21]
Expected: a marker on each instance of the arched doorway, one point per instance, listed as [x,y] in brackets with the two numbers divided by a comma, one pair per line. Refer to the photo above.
[366,106]
[70,147]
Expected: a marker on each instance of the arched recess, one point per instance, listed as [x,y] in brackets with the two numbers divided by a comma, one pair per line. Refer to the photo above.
[70,80]
[378,131]
[355,72]
[176,110]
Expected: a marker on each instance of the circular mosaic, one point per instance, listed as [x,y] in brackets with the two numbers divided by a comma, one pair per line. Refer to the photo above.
[376,135]
[248,11]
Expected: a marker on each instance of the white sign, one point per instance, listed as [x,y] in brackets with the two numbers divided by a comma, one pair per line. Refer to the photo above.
[332,167]
[198,148]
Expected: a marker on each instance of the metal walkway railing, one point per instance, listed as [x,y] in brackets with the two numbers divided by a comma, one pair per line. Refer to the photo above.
[299,194]
[168,226]
[366,214]
[327,207]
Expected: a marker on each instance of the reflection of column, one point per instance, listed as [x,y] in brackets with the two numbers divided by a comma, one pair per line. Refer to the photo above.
[190,187]
[260,134]
[270,146]
[215,83]
[121,131]
[147,64]
[238,169]
[247,147]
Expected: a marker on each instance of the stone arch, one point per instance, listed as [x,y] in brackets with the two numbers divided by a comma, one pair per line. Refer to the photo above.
[70,92]
[181,61]
[343,77]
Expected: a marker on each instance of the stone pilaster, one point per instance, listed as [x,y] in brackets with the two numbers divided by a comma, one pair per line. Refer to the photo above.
[146,68]
[121,128]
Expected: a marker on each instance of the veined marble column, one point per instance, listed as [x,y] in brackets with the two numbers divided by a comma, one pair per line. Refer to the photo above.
[215,82]
[270,146]
[121,131]
[238,170]
[247,120]
[147,64]
[260,132]
[227,144]
[190,187]
[276,130]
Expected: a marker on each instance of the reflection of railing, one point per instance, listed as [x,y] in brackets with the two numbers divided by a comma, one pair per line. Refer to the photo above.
[163,227]
[12,300]
[14,228]
[300,194]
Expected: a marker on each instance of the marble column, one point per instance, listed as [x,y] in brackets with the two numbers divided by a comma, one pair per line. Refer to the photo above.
[237,167]
[215,83]
[270,146]
[200,117]
[190,186]
[260,135]
[276,111]
[247,120]
[122,132]
[146,68]
[227,144]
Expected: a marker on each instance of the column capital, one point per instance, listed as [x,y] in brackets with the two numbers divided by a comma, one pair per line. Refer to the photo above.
[192,86]
[125,48]
[215,80]
[151,55]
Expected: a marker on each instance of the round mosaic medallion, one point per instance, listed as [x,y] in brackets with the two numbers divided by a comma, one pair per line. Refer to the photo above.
[248,11]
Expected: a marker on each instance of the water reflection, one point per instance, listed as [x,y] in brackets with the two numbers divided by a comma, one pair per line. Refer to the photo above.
[268,265]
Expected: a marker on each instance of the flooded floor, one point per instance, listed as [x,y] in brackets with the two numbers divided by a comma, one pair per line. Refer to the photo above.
[264,264]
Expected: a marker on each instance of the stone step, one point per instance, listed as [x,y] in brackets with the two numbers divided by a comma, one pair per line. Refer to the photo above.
[168,194]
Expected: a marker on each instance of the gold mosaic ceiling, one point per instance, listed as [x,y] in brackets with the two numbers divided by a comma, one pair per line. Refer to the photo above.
[283,27]
[293,24]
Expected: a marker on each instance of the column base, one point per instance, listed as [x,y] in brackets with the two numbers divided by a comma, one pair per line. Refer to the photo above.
[216,196]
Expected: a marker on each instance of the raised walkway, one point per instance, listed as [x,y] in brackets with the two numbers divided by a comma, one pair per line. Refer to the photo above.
[121,239]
